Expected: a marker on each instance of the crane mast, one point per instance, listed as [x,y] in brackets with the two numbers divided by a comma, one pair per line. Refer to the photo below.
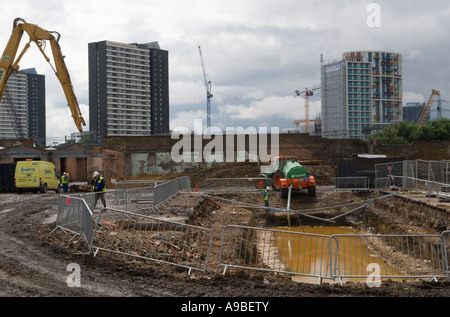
[208,86]
[308,93]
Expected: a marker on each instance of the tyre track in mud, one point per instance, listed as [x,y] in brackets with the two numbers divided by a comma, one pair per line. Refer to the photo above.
[34,262]
[24,269]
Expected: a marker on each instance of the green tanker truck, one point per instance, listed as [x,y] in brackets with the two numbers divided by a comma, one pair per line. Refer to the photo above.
[285,171]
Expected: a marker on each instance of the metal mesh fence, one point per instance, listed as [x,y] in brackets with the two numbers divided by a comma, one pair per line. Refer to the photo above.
[275,250]
[124,185]
[351,182]
[75,216]
[167,190]
[337,256]
[397,256]
[152,239]
[236,184]
[429,176]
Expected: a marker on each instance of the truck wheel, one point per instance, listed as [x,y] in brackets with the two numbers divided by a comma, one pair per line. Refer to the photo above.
[261,183]
[276,181]
[312,190]
[284,193]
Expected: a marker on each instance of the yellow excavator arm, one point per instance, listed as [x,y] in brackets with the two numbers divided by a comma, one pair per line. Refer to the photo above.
[10,64]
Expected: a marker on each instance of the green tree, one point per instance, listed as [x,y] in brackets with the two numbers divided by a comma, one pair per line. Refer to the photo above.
[406,133]
[402,133]
[435,130]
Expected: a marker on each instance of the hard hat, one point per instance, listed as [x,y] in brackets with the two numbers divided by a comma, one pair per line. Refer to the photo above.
[96,174]
[268,188]
[64,173]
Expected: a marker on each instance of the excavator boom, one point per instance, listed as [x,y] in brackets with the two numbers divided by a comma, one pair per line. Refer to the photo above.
[9,63]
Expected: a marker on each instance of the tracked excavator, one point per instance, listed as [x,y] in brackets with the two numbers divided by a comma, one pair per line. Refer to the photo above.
[9,64]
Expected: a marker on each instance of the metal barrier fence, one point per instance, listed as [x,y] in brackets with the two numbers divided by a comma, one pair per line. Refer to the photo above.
[236,185]
[152,239]
[350,183]
[169,189]
[276,251]
[74,216]
[421,175]
[334,257]
[137,184]
[130,199]
[397,256]
[446,235]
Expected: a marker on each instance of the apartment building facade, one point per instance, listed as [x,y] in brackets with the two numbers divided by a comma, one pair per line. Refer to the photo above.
[128,89]
[361,93]
[22,108]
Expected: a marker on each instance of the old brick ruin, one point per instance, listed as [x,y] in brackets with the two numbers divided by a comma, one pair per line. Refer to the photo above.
[121,157]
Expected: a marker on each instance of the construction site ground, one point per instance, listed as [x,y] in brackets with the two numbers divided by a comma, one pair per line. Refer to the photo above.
[34,259]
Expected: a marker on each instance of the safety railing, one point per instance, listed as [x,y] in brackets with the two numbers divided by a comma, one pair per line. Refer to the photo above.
[152,239]
[236,185]
[334,257]
[275,251]
[351,183]
[130,199]
[446,235]
[124,185]
[427,176]
[165,191]
[396,256]
[74,216]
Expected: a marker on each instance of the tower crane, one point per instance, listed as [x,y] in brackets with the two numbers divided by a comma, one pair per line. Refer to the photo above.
[209,95]
[308,92]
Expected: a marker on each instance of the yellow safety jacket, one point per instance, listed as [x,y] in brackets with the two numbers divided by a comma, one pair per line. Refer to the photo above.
[64,179]
[97,185]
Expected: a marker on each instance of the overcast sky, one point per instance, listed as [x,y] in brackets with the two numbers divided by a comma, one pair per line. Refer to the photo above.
[256,52]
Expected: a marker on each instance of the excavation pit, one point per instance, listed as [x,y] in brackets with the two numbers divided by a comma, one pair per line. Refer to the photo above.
[393,237]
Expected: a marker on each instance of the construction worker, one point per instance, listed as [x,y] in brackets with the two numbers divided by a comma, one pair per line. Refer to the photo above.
[65,182]
[266,197]
[99,187]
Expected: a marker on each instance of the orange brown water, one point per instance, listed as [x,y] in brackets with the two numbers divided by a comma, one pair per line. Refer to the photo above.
[309,253]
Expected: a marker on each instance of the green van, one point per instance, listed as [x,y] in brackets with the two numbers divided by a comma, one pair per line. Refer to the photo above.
[36,176]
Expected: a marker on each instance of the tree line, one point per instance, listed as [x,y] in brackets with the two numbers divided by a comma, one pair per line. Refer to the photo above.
[406,132]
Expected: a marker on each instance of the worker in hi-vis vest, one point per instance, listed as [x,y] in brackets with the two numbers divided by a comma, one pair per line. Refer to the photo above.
[266,197]
[99,187]
[65,182]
